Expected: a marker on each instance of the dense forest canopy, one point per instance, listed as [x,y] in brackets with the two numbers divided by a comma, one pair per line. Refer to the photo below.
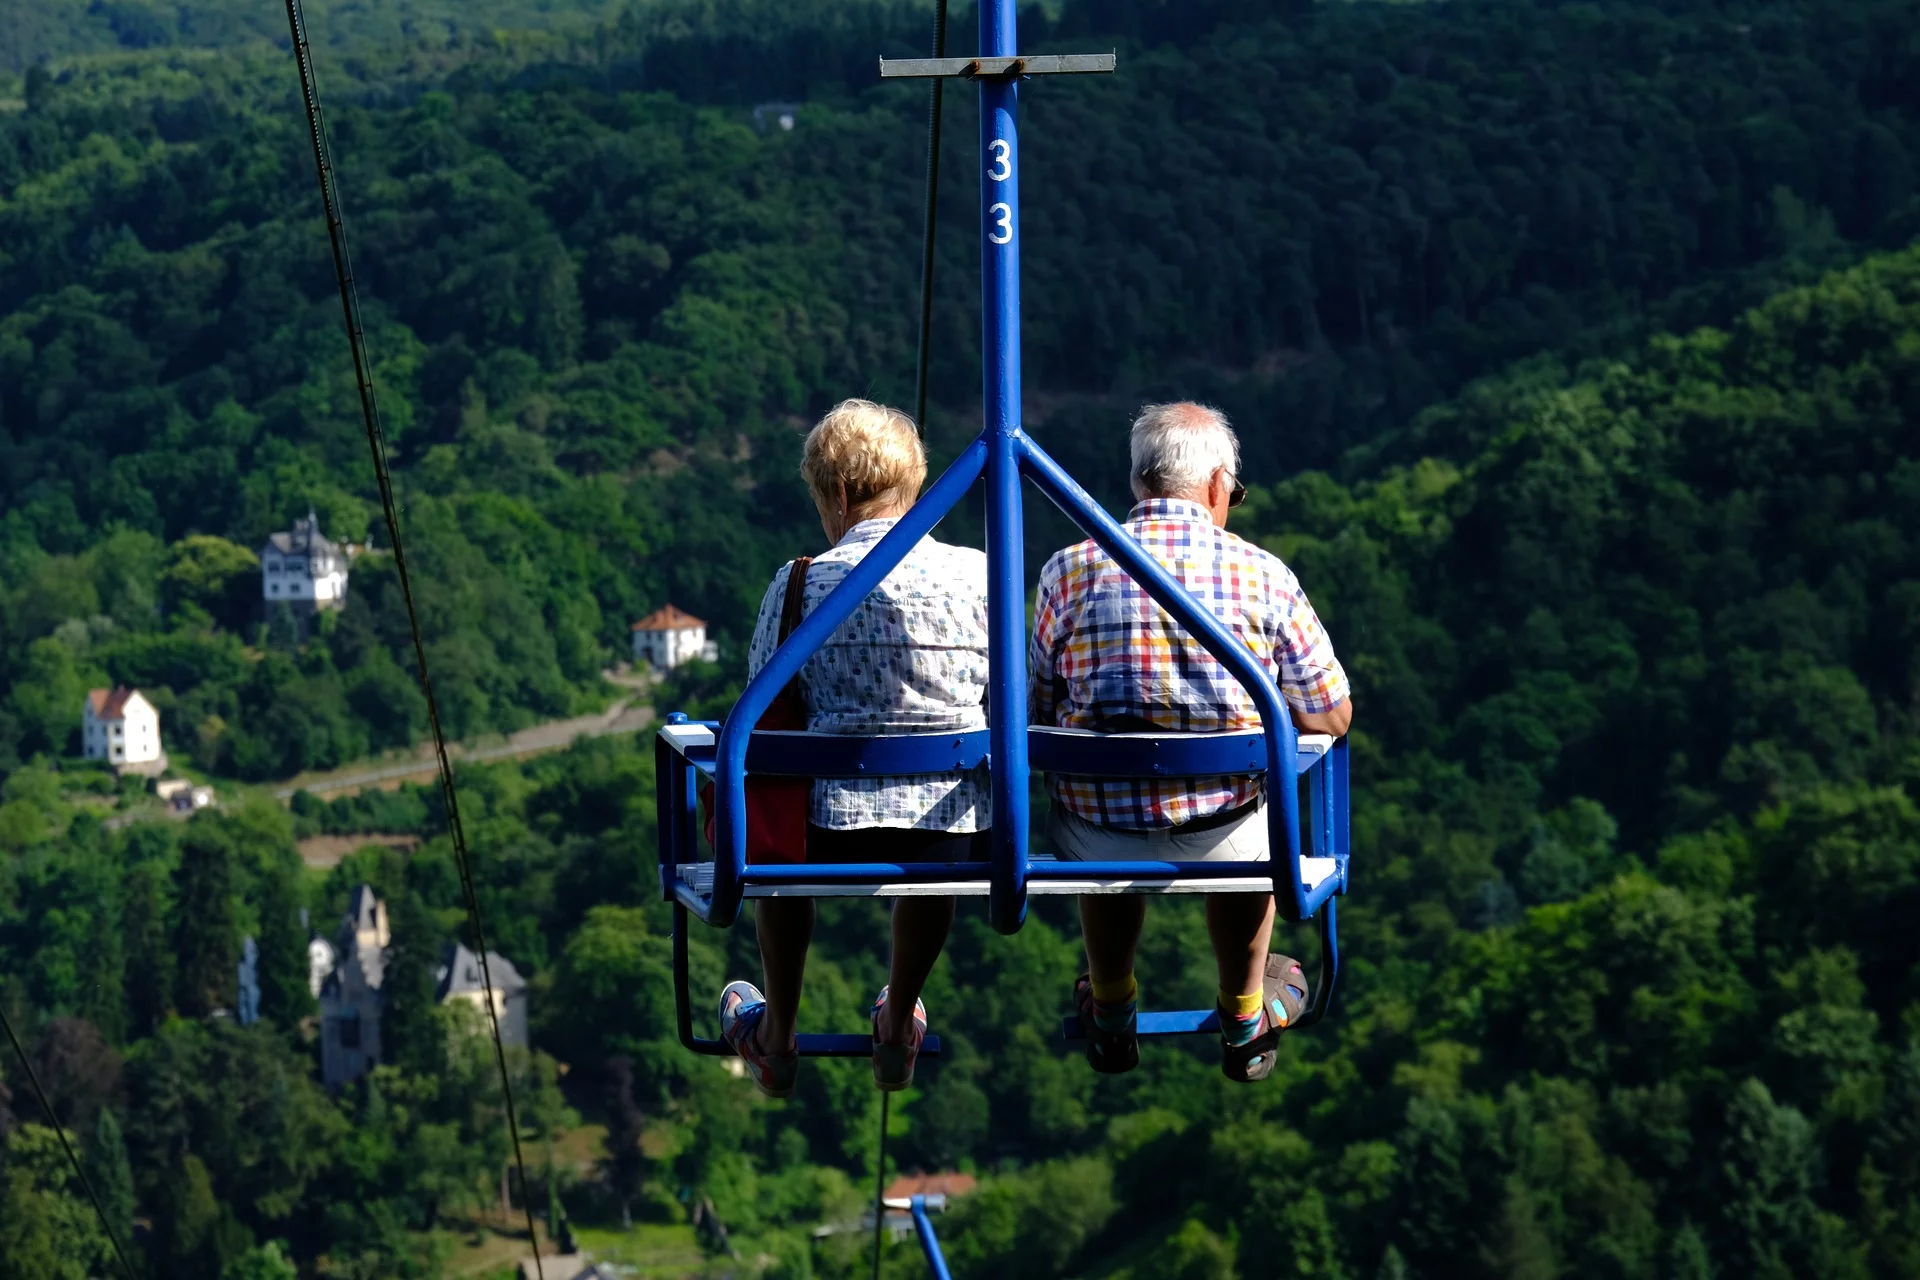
[600,310]
[1576,351]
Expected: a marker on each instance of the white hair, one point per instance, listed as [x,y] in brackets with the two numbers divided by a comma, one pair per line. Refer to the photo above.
[1178,447]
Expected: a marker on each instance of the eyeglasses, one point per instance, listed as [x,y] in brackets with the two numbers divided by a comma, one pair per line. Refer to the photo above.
[1239,494]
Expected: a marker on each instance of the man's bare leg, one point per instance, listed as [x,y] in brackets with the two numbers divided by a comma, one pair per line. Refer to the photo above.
[1240,925]
[785,930]
[1110,925]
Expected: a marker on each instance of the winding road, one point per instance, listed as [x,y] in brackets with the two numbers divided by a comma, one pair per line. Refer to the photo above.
[622,717]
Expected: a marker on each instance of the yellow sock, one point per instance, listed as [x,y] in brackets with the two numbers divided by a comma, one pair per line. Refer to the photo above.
[1246,1006]
[1124,990]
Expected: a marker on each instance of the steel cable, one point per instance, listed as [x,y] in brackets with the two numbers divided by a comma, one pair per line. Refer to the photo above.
[377,446]
[33,1078]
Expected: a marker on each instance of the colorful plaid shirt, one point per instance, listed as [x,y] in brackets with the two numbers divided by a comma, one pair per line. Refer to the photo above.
[1105,657]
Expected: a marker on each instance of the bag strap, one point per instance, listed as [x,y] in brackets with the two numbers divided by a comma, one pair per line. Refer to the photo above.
[796,597]
[789,619]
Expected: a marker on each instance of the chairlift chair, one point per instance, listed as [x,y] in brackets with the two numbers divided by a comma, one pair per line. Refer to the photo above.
[1304,882]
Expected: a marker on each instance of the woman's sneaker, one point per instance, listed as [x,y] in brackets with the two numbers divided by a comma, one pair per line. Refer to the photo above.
[741,1009]
[893,1063]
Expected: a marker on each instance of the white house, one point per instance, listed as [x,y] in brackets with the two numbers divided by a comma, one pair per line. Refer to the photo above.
[121,727]
[670,636]
[302,568]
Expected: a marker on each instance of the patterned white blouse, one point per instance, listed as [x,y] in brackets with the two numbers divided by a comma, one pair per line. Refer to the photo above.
[911,659]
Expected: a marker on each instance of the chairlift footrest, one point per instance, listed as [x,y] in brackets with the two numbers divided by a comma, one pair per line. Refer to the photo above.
[1179,1022]
[836,1045]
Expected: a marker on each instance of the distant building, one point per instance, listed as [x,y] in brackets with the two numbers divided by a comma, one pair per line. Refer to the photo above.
[320,960]
[950,1185]
[303,569]
[938,1188]
[249,986]
[670,636]
[348,974]
[460,982]
[121,727]
[568,1266]
[781,115]
[350,995]
[183,796]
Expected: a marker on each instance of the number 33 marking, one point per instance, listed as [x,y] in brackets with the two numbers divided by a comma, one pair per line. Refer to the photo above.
[1002,232]
[1002,167]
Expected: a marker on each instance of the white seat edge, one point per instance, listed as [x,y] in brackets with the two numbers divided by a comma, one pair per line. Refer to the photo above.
[699,735]
[687,735]
[698,876]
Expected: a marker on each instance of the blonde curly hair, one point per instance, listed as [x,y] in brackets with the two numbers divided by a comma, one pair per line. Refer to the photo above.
[871,449]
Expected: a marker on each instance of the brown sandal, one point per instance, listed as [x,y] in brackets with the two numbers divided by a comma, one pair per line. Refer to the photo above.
[1283,1000]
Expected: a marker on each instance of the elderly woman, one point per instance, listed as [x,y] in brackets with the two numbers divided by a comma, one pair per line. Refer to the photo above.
[911,659]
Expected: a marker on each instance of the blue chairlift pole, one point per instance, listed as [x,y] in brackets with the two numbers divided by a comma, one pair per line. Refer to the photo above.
[1006,592]
[929,1242]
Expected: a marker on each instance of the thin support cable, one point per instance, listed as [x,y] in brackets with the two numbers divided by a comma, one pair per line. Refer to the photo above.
[79,1170]
[880,1177]
[932,221]
[377,446]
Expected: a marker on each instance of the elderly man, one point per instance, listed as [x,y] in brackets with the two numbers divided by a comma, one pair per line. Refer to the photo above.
[1105,657]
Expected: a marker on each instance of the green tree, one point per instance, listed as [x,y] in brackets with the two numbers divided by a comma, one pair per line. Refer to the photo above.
[285,993]
[263,1262]
[150,957]
[206,935]
[413,1028]
[47,1226]
[47,696]
[214,575]
[112,1175]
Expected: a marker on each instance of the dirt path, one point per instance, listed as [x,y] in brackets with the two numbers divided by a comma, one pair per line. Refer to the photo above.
[326,852]
[622,717]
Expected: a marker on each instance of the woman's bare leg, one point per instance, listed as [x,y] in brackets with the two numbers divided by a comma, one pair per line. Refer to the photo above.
[920,927]
[785,929]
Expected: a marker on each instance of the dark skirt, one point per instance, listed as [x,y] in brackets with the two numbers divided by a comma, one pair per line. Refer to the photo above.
[896,844]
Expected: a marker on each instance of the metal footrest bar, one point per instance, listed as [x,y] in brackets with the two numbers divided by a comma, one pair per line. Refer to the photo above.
[811,1044]
[1194,1022]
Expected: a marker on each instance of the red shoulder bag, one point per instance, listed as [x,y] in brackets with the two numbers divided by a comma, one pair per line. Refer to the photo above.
[777,807]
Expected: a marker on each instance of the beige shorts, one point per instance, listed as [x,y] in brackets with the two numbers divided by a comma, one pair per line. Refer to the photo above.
[1075,839]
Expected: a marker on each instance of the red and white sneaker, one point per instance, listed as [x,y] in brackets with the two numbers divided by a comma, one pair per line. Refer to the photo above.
[893,1063]
[741,1009]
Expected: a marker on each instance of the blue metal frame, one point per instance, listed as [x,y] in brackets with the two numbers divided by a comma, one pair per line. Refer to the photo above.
[1002,455]
[929,1242]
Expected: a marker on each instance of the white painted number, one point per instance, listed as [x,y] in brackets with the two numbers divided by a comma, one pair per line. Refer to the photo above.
[1002,169]
[1002,232]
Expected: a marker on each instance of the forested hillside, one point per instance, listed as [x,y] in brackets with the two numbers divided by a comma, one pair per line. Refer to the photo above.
[600,311]
[1632,607]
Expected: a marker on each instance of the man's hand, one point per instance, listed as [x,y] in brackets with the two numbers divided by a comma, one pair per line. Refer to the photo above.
[1334,722]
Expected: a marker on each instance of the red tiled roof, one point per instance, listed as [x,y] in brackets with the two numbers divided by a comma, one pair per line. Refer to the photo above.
[951,1185]
[668,618]
[109,704]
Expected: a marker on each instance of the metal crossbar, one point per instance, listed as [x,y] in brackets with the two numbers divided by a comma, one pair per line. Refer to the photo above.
[1046,64]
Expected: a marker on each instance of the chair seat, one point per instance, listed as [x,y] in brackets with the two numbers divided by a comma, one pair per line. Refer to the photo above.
[1074,751]
[696,879]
